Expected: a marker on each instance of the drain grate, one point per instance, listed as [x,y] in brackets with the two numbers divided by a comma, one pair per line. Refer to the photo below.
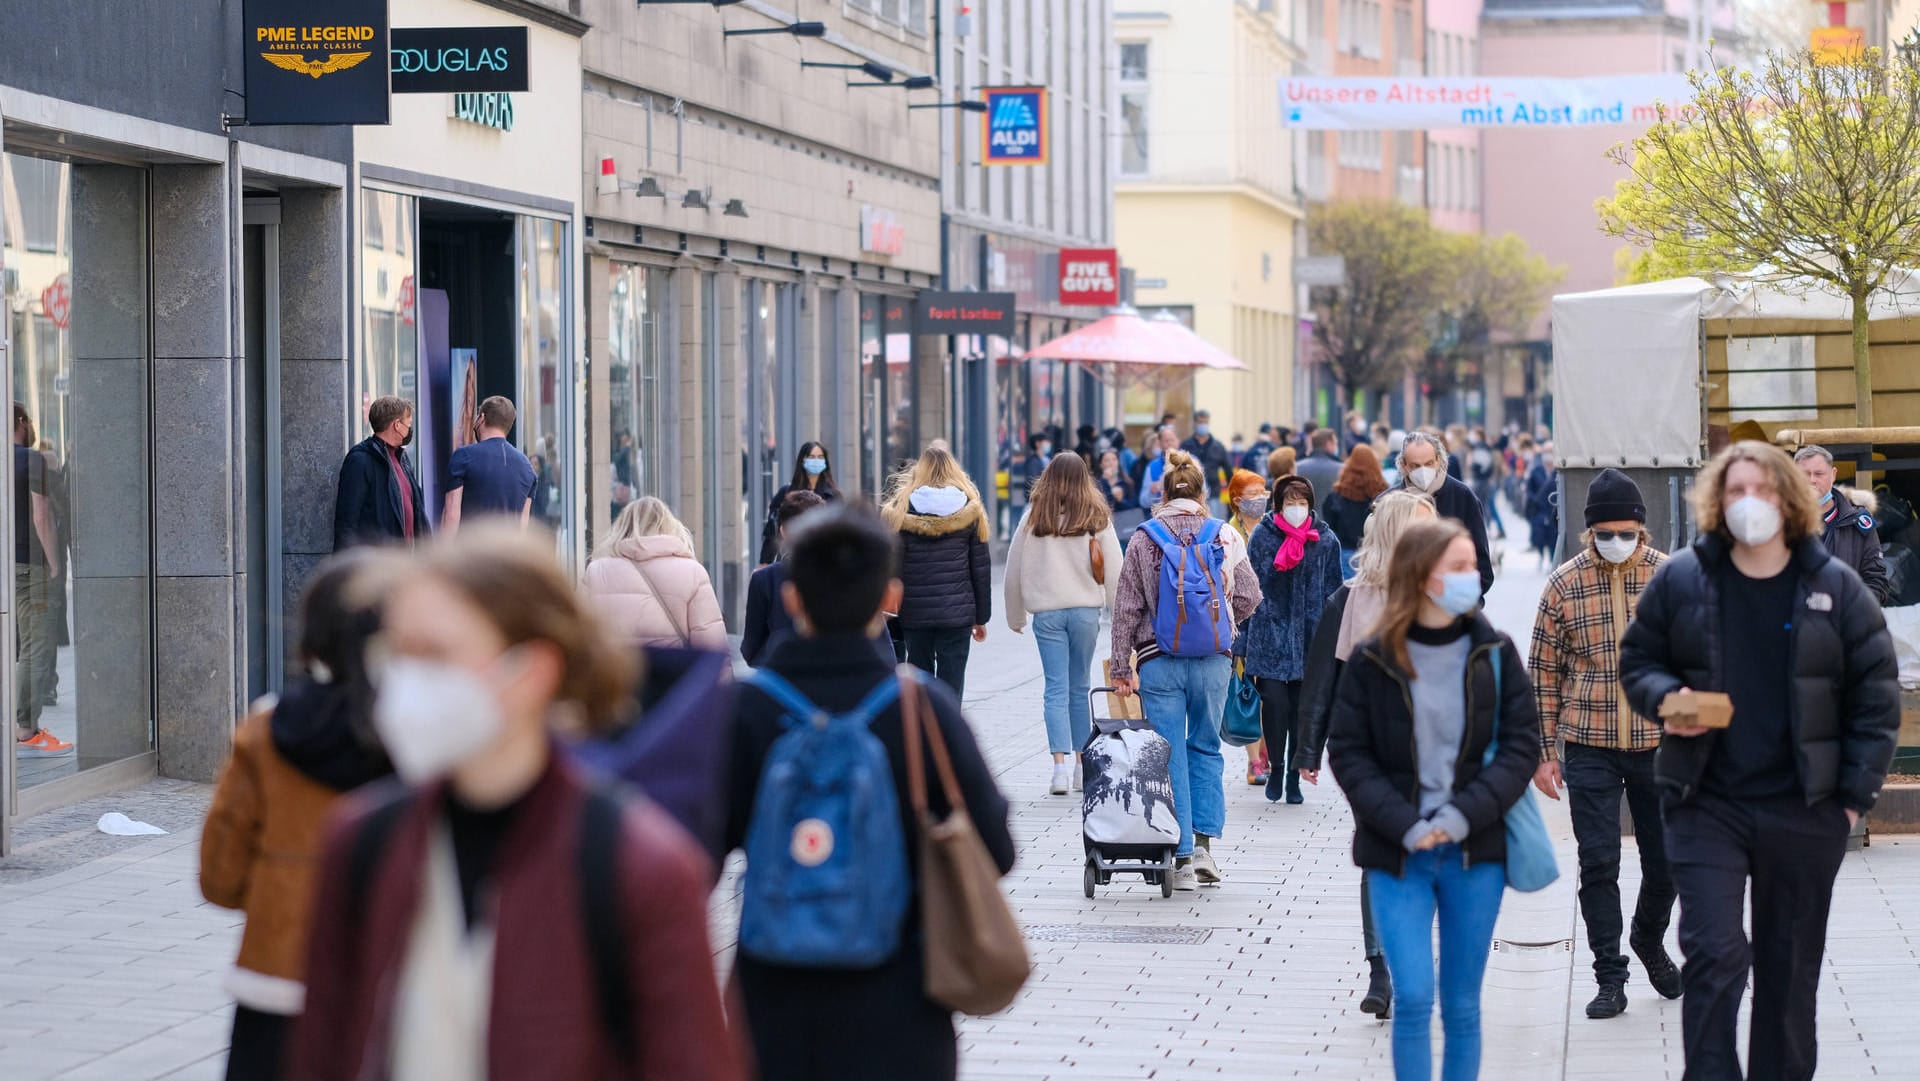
[1145,935]
[1558,945]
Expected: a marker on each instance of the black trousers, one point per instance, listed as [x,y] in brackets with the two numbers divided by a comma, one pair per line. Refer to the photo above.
[1790,853]
[941,651]
[1596,778]
[259,1040]
[1279,726]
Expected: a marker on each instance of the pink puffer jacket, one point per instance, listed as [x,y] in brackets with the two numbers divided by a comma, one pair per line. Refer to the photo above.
[626,597]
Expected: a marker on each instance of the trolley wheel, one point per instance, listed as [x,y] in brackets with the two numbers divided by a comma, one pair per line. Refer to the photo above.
[1088,878]
[1166,884]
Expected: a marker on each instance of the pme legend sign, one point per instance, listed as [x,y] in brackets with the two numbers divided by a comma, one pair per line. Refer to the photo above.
[309,63]
[1014,129]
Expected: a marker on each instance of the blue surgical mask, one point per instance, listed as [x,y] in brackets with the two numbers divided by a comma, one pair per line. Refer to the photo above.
[814,466]
[1459,592]
[1202,430]
[1828,498]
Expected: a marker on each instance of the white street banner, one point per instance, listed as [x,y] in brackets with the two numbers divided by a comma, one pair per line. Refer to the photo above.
[1351,104]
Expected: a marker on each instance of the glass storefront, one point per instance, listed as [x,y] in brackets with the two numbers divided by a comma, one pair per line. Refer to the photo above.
[769,405]
[461,303]
[76,287]
[641,401]
[887,423]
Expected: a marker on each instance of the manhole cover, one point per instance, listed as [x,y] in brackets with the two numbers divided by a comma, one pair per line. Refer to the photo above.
[1077,932]
[1559,944]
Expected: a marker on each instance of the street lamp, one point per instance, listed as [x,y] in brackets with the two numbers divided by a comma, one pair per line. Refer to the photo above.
[695,200]
[714,3]
[964,106]
[877,71]
[799,30]
[916,82]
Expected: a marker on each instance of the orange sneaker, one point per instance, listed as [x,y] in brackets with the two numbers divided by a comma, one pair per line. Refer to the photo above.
[43,744]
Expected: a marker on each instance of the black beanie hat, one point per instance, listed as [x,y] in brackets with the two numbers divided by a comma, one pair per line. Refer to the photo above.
[1613,497]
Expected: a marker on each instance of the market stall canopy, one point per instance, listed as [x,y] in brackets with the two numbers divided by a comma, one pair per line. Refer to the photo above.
[1124,349]
[1627,363]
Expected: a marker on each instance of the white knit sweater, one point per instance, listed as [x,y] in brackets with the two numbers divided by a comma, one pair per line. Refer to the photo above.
[1047,574]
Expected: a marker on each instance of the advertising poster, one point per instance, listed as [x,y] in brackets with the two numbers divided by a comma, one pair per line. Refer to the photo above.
[309,63]
[431,452]
[465,403]
[1365,104]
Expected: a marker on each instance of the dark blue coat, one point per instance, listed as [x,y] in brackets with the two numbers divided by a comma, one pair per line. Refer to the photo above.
[1291,602]
[366,509]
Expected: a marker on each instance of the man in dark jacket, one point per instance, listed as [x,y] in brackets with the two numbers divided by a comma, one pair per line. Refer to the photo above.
[380,500]
[1423,468]
[1851,532]
[1758,609]
[1322,466]
[841,568]
[1255,459]
[1215,462]
[767,619]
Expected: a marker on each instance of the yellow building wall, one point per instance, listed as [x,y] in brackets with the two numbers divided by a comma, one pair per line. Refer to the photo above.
[1227,253]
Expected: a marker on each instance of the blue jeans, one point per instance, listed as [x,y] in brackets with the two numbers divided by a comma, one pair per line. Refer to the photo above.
[1346,563]
[1468,901]
[1066,639]
[1183,698]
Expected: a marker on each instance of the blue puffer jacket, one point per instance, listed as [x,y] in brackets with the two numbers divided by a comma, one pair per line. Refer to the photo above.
[1275,639]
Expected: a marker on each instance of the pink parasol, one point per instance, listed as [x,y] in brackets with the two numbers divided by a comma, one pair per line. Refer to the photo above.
[1124,349]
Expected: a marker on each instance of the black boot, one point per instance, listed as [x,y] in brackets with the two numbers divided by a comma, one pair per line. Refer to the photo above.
[1379,1000]
[1610,1002]
[1661,971]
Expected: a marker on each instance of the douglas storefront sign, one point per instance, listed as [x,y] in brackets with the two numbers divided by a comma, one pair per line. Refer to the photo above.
[308,63]
[459,59]
[964,313]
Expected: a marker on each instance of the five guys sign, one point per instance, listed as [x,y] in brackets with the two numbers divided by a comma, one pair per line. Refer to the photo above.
[1090,276]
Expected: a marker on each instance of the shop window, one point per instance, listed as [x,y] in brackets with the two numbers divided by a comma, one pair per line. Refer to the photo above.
[77,304]
[641,378]
[389,364]
[546,429]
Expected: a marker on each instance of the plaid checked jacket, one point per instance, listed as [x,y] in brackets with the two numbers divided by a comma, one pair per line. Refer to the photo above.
[1575,661]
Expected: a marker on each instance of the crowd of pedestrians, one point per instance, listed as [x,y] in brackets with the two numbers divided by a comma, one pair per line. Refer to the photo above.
[419,824]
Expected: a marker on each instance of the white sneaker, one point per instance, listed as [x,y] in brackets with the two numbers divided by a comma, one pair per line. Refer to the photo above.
[1183,878]
[1060,781]
[1204,869]
[1074,769]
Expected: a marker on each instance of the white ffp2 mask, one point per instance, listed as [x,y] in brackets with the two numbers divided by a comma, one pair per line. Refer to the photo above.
[1753,521]
[431,717]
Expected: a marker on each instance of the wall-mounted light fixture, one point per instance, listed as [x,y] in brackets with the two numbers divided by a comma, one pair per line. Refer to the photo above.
[695,200]
[799,30]
[736,208]
[872,69]
[916,82]
[965,106]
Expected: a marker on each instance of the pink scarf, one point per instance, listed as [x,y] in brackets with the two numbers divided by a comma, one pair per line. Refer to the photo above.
[1293,543]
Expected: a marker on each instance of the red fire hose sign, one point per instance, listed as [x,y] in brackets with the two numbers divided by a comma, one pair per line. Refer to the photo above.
[56,301]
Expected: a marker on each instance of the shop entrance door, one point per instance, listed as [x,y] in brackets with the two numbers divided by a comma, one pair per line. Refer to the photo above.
[266,604]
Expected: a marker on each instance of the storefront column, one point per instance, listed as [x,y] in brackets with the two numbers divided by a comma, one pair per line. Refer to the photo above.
[734,527]
[811,392]
[194,421]
[841,434]
[930,390]
[315,394]
[108,412]
[690,434]
[599,307]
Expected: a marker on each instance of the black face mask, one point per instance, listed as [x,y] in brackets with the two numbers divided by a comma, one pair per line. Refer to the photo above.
[408,441]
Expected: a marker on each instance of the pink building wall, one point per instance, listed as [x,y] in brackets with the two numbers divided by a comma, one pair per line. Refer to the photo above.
[1542,183]
[1455,159]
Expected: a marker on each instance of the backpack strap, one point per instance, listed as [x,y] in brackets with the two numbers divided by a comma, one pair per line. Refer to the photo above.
[1209,532]
[598,857]
[1497,659]
[877,700]
[798,706]
[1158,530]
[368,845]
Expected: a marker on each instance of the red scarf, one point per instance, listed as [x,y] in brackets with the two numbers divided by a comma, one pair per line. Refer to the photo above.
[1293,543]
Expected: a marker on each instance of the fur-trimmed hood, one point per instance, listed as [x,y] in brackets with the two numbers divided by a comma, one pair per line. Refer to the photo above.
[935,520]
[1860,497]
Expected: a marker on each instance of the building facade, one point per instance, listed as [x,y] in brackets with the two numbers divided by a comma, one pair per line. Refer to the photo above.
[1206,201]
[756,231]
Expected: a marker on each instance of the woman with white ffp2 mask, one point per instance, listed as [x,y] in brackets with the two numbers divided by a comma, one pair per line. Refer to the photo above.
[437,892]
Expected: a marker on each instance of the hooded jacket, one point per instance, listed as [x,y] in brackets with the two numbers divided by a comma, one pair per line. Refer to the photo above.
[1292,602]
[945,566]
[651,588]
[1371,746]
[1845,711]
[260,846]
[1853,537]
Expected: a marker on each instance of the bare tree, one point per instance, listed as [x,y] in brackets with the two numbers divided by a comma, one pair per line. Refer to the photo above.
[1371,328]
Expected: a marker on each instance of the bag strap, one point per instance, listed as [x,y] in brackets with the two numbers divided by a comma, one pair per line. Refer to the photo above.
[798,706]
[1098,558]
[679,625]
[369,844]
[598,858]
[1493,743]
[914,719]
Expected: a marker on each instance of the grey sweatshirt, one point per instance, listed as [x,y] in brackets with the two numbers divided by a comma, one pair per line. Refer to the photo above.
[1439,723]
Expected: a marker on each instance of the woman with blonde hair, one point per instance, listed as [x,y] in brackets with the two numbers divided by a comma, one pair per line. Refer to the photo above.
[1434,737]
[498,867]
[1180,662]
[647,584]
[1064,568]
[1352,613]
[945,567]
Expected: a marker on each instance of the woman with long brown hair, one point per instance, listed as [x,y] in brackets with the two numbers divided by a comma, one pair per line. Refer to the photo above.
[441,902]
[1347,506]
[1419,706]
[1058,570]
[945,566]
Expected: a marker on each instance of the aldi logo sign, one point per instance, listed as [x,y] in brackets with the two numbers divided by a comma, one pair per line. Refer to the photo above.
[1014,129]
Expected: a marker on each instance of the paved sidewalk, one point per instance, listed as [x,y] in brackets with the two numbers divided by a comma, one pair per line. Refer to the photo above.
[111,968]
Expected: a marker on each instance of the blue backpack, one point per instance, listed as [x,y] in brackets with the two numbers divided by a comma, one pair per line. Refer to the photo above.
[1194,618]
[826,882]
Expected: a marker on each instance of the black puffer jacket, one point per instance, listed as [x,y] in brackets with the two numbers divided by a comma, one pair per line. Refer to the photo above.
[1370,744]
[1846,702]
[1323,676]
[946,569]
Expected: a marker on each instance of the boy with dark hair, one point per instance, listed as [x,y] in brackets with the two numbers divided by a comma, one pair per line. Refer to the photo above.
[841,564]
[767,617]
